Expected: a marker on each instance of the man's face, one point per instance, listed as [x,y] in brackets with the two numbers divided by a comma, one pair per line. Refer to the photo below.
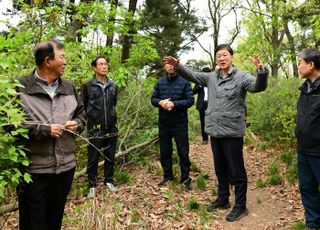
[304,68]
[58,64]
[102,67]
[169,70]
[224,59]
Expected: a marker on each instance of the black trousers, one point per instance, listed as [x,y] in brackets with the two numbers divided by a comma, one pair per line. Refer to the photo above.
[179,133]
[202,113]
[107,145]
[42,201]
[229,165]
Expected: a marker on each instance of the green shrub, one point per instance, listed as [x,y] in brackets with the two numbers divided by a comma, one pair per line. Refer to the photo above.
[272,113]
[12,151]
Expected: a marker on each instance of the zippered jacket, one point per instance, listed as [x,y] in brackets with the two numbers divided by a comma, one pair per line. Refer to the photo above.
[100,103]
[225,114]
[48,154]
[179,91]
[308,120]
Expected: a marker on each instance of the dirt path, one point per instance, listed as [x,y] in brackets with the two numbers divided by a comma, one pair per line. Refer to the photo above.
[273,207]
[141,204]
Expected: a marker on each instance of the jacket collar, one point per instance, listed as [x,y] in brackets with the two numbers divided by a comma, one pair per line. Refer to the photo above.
[230,72]
[31,86]
[309,87]
[107,83]
[171,78]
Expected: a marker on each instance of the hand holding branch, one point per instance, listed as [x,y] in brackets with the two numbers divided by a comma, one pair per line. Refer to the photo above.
[71,125]
[56,130]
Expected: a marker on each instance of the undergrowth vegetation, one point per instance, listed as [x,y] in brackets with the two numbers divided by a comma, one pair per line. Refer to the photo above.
[272,118]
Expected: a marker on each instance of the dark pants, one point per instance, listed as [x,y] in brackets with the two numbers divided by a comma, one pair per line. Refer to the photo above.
[202,113]
[42,201]
[107,145]
[229,164]
[180,135]
[309,180]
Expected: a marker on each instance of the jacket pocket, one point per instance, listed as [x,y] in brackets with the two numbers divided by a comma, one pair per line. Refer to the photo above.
[233,123]
[230,91]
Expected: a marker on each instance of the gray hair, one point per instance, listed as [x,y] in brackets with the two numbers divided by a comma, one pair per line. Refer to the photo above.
[311,55]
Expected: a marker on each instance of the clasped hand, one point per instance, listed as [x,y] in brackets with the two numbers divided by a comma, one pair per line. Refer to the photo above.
[166,104]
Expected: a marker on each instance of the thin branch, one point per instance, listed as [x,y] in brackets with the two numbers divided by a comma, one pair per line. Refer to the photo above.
[14,206]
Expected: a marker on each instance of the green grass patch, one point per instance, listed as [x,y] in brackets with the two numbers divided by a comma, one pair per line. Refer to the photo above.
[123,177]
[201,183]
[193,204]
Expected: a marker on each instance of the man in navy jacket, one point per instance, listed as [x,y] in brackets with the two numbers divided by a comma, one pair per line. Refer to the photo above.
[173,95]
[308,136]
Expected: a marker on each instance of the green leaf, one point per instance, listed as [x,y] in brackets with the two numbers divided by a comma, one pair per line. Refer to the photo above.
[27,177]
[25,162]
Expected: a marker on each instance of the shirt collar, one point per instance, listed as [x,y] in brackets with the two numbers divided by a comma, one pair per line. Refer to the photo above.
[42,81]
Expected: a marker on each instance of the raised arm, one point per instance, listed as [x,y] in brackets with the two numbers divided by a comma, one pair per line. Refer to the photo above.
[259,83]
[196,77]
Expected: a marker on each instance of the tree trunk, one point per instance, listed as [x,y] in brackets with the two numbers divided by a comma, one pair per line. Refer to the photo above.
[75,24]
[112,20]
[126,44]
[292,50]
[274,69]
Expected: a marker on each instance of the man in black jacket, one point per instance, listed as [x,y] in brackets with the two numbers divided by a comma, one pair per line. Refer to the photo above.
[308,136]
[173,95]
[99,96]
[202,103]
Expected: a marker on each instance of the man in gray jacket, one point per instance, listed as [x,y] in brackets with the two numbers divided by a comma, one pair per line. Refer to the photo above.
[225,122]
[55,112]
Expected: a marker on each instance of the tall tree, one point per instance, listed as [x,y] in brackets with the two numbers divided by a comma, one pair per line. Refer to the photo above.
[173,24]
[219,10]
[127,38]
[112,21]
[278,29]
[265,29]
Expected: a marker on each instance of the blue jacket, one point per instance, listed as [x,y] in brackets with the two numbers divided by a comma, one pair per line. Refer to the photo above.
[180,93]
[308,120]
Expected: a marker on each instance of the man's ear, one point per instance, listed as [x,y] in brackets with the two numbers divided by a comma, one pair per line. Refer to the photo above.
[311,65]
[47,60]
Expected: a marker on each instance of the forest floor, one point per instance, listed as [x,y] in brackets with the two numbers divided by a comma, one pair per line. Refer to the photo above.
[141,204]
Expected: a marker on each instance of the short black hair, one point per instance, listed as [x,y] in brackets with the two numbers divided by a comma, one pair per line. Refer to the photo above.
[224,46]
[311,55]
[45,49]
[206,69]
[94,62]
